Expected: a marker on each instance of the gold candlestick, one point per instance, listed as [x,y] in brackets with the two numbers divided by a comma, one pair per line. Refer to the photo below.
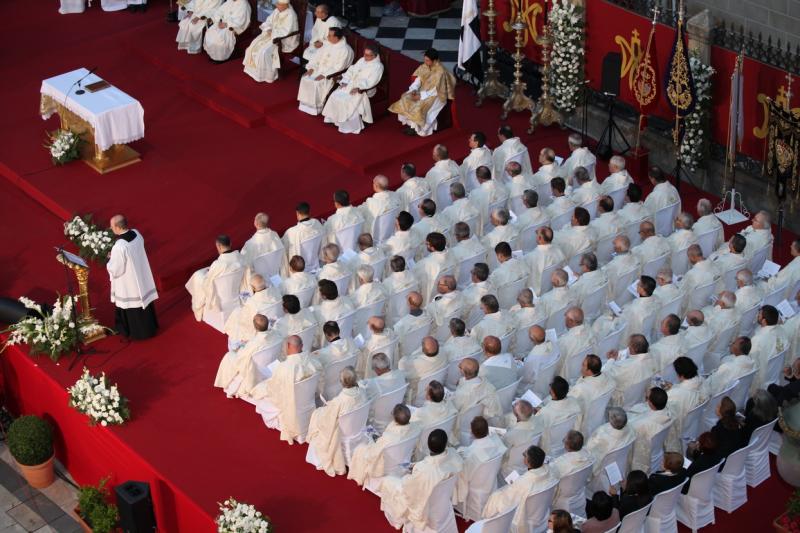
[518,100]
[544,112]
[491,87]
[85,318]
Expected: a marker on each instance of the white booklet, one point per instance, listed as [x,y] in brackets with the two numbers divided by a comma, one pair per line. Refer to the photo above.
[785,309]
[531,398]
[512,477]
[572,277]
[769,269]
[275,280]
[614,308]
[633,288]
[613,473]
[551,335]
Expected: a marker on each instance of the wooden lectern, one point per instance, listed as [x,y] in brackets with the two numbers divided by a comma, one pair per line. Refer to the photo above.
[81,270]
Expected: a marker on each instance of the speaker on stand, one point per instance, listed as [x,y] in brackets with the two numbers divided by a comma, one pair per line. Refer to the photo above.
[610,85]
[135,507]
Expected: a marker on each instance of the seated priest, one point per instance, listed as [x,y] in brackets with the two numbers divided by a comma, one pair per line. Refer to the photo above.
[201,284]
[237,373]
[261,59]
[190,29]
[433,86]
[335,56]
[229,21]
[348,106]
[239,325]
[323,22]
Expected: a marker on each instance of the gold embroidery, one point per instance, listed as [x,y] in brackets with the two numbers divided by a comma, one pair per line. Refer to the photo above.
[760,132]
[529,12]
[631,55]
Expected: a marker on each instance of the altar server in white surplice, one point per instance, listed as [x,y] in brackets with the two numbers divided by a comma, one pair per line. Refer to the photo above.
[663,194]
[511,148]
[646,424]
[732,366]
[520,430]
[239,363]
[585,189]
[335,56]
[577,338]
[324,437]
[472,491]
[406,500]
[190,29]
[201,284]
[444,170]
[367,461]
[579,236]
[421,362]
[707,221]
[263,241]
[133,290]
[633,369]
[305,229]
[274,396]
[670,346]
[474,390]
[682,397]
[323,22]
[608,437]
[348,107]
[592,384]
[543,256]
[438,261]
[230,20]
[262,58]
[479,155]
[548,168]
[488,192]
[462,208]
[619,177]
[579,156]
[640,309]
[345,216]
[239,326]
[537,479]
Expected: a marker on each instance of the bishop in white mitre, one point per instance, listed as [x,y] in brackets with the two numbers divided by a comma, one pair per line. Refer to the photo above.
[323,22]
[263,241]
[280,29]
[324,436]
[237,373]
[348,106]
[334,57]
[266,300]
[229,21]
[511,149]
[133,290]
[306,229]
[190,29]
[201,284]
[479,155]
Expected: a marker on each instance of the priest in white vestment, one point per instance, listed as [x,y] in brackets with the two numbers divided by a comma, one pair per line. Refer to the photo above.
[607,222]
[497,322]
[663,194]
[499,368]
[652,246]
[133,290]
[382,379]
[306,229]
[619,177]
[590,279]
[462,209]
[479,287]
[585,189]
[443,172]
[671,344]
[190,29]
[769,339]
[789,275]
[416,320]
[501,230]
[561,203]
[457,347]
[348,107]
[345,216]
[295,320]
[543,256]
[607,438]
[334,268]
[559,297]
[592,385]
[239,325]
[368,460]
[335,348]
[518,183]
[578,237]
[263,241]
[577,338]
[275,399]
[399,280]
[280,30]
[548,168]
[436,263]
[520,430]
[382,201]
[628,371]
[474,390]
[536,479]
[747,294]
[323,22]
[644,306]
[666,289]
[370,292]
[472,491]
[646,424]
[707,221]
[579,156]
[511,148]
[633,209]
[448,303]
[324,436]
[731,258]
[334,57]
[532,215]
[422,362]
[238,374]
[489,192]
[623,262]
[723,314]
[682,397]
[298,280]
[380,338]
[683,236]
[332,306]
[731,367]
[557,408]
[429,222]
[509,269]
[758,235]
[406,500]
[229,20]
[434,412]
[701,272]
[414,187]
[201,284]
[698,331]
[479,155]
[404,242]
[574,458]
[543,353]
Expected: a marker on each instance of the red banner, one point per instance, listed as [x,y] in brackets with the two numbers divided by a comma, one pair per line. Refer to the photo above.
[532,12]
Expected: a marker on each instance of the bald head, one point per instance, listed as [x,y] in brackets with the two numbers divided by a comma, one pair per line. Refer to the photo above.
[294,344]
[559,278]
[694,253]
[704,207]
[258,283]
[118,224]
[260,323]
[695,318]
[380,183]
[376,324]
[536,334]
[468,367]
[525,298]
[491,345]
[414,300]
[430,346]
[622,244]
[573,317]
[647,229]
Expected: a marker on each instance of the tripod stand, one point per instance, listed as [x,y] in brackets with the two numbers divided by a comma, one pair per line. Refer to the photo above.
[605,145]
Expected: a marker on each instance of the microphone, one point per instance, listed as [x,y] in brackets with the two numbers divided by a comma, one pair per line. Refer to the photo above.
[78,82]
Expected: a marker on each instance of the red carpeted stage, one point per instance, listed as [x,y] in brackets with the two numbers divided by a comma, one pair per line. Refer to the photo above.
[218,148]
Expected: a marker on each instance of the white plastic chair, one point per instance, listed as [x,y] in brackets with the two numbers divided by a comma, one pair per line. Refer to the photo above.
[663,511]
[570,495]
[442,332]
[309,251]
[574,262]
[696,509]
[604,249]
[730,487]
[442,194]
[618,195]
[621,293]
[487,224]
[634,522]
[561,221]
[346,323]
[634,394]
[719,348]
[556,434]
[308,335]
[413,339]
[269,264]
[351,429]
[652,267]
[594,303]
[331,383]
[394,456]
[383,226]
[657,448]
[464,421]
[464,271]
[545,283]
[774,370]
[506,395]
[741,389]
[479,487]
[522,340]
[710,418]
[673,307]
[572,365]
[691,424]
[632,231]
[707,241]
[515,204]
[441,518]
[775,296]
[226,289]
[526,239]
[758,258]
[757,467]
[506,340]
[413,206]
[545,193]
[398,305]
[515,455]
[679,262]
[664,218]
[497,524]
[621,456]
[610,342]
[697,353]
[304,393]
[747,321]
[507,294]
[265,356]
[447,425]
[453,373]
[729,279]
[439,375]
[595,415]
[701,296]
[537,509]
[543,378]
[383,405]
[556,320]
[591,207]
[343,284]
[347,237]
[363,314]
[306,295]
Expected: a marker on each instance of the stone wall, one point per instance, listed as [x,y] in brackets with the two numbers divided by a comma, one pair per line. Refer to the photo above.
[777,18]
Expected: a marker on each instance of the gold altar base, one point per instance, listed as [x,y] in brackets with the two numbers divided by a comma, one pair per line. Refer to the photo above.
[85,318]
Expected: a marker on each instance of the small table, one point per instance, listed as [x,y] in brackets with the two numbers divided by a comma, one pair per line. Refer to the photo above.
[107,119]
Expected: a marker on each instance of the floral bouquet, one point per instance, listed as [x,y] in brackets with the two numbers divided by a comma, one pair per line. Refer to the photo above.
[93,242]
[52,333]
[64,146]
[99,400]
[697,129]
[237,517]
[566,60]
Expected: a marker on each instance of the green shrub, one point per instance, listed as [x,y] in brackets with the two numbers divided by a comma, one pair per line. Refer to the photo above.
[95,509]
[30,440]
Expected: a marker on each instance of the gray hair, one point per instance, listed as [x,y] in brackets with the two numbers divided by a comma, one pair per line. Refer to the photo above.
[380,361]
[625,242]
[348,377]
[257,282]
[728,299]
[330,252]
[262,220]
[502,216]
[618,161]
[458,190]
[366,273]
[525,297]
[381,181]
[575,140]
[617,417]
[704,207]
[664,274]
[745,277]
[687,220]
[764,406]
[461,230]
[560,275]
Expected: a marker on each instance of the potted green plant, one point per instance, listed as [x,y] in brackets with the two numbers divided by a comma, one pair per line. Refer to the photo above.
[94,510]
[30,441]
[789,520]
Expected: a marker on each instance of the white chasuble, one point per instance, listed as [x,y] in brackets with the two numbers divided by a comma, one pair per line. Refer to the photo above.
[324,439]
[330,59]
[219,42]
[201,284]
[319,35]
[349,110]
[190,29]
[261,59]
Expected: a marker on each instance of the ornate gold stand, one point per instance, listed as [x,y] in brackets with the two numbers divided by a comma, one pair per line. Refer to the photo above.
[491,87]
[85,318]
[517,99]
[103,161]
[544,112]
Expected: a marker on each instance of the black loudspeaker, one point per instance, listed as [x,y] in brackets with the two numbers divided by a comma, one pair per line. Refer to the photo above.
[612,66]
[135,507]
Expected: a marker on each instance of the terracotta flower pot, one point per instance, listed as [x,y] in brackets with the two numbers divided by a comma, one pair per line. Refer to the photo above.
[84,526]
[39,476]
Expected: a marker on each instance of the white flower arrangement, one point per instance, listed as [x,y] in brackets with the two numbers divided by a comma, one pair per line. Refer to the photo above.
[238,517]
[53,333]
[64,146]
[567,56]
[93,242]
[697,131]
[95,397]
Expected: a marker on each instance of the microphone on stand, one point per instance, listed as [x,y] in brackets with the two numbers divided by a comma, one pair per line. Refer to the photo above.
[78,83]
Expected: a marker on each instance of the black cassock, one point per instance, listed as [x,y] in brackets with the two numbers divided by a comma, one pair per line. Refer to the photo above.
[135,323]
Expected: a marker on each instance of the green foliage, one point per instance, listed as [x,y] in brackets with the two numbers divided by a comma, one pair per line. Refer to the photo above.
[95,508]
[793,504]
[30,440]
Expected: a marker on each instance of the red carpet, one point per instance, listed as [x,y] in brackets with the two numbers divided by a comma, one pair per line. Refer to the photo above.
[218,148]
